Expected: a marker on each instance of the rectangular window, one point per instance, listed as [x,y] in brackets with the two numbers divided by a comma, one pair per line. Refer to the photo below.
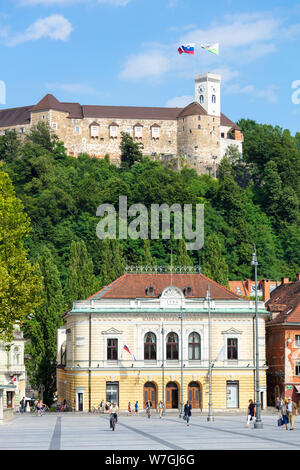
[54,125]
[297,340]
[22,130]
[112,349]
[155,132]
[113,131]
[297,368]
[94,131]
[112,392]
[80,341]
[77,129]
[138,132]
[232,348]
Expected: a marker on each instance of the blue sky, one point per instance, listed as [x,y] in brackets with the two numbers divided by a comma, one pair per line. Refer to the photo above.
[124,52]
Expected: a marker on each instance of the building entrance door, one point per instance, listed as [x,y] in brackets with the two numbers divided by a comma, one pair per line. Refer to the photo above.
[150,394]
[194,395]
[171,395]
[80,401]
[232,395]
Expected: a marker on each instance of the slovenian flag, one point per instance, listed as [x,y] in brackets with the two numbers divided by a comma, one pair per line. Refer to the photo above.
[214,49]
[128,350]
[188,49]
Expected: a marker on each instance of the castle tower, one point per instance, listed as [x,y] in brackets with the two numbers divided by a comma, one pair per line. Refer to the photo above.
[208,92]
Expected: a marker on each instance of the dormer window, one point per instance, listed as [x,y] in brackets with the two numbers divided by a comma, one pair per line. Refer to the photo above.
[94,130]
[155,131]
[113,130]
[150,291]
[138,131]
[187,291]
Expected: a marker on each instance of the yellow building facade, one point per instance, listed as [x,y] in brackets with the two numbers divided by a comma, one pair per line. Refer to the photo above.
[147,336]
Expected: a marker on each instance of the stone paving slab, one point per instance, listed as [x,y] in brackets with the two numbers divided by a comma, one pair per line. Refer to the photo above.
[69,431]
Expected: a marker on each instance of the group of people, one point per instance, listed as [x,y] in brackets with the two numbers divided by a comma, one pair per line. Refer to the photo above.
[287,410]
[113,409]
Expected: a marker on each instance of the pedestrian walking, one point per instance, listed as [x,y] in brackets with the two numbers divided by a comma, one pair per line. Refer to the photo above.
[291,413]
[22,405]
[148,405]
[129,409]
[39,406]
[187,412]
[107,406]
[136,407]
[283,412]
[160,408]
[277,403]
[251,413]
[102,406]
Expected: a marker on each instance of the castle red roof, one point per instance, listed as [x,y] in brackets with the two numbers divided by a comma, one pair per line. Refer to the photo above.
[133,286]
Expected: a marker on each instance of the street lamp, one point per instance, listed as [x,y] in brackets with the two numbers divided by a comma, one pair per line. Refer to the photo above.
[181,366]
[210,412]
[258,423]
[163,371]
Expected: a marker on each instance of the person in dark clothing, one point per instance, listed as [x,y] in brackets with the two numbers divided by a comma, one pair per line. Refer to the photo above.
[187,412]
[251,412]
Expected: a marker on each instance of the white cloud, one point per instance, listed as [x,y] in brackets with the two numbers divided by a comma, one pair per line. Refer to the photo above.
[76,89]
[55,27]
[149,65]
[180,101]
[268,93]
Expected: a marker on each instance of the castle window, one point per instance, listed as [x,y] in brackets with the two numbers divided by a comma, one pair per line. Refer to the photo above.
[77,130]
[54,125]
[101,139]
[94,130]
[74,121]
[213,99]
[222,134]
[190,131]
[138,131]
[199,127]
[169,142]
[201,99]
[199,118]
[113,130]
[22,130]
[155,131]
[43,116]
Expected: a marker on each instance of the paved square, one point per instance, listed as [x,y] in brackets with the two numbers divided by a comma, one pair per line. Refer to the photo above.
[71,431]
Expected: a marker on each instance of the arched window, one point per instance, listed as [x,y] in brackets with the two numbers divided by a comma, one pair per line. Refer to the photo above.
[194,346]
[201,99]
[213,99]
[172,346]
[150,347]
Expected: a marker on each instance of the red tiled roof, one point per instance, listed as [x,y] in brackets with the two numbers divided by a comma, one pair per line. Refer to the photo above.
[226,122]
[192,109]
[286,300]
[15,116]
[132,286]
[49,102]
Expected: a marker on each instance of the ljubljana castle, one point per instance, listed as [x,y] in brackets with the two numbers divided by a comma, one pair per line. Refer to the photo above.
[199,132]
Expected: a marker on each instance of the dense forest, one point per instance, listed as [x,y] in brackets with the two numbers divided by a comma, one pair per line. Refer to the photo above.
[255,199]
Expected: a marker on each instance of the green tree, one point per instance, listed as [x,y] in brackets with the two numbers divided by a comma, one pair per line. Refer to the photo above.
[131,151]
[214,264]
[81,280]
[20,285]
[41,330]
[181,257]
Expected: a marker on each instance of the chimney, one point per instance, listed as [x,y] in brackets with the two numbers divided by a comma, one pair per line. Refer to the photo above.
[265,286]
[285,280]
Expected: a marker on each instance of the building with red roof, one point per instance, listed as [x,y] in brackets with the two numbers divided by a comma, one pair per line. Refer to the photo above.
[283,341]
